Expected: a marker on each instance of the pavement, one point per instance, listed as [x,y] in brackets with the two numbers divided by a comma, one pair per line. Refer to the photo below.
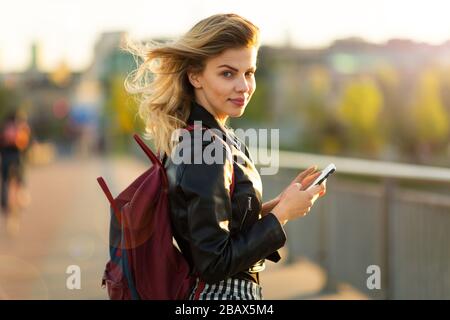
[66,222]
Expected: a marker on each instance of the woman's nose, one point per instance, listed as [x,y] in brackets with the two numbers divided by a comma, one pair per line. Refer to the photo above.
[242,85]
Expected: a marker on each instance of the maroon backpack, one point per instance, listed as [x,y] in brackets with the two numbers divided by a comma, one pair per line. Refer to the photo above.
[144,263]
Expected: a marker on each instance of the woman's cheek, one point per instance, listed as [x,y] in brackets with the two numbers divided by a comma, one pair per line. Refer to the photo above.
[253,86]
[250,92]
[224,87]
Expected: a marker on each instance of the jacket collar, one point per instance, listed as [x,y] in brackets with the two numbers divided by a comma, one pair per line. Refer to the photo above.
[199,113]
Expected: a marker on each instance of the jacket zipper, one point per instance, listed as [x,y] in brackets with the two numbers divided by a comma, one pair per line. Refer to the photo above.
[249,208]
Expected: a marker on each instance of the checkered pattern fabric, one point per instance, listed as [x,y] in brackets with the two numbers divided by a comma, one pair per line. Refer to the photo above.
[229,289]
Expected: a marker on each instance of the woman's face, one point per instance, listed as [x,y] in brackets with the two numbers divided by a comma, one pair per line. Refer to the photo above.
[227,83]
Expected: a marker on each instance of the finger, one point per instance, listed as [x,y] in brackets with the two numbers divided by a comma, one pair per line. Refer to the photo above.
[306,173]
[307,211]
[298,185]
[323,189]
[309,171]
[315,190]
[323,192]
[313,175]
[308,180]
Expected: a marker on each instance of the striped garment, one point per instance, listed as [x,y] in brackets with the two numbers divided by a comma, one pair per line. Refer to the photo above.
[229,289]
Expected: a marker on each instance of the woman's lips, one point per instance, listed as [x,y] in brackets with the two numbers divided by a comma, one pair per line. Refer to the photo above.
[238,102]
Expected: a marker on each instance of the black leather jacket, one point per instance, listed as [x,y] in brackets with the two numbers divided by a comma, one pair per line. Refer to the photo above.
[221,236]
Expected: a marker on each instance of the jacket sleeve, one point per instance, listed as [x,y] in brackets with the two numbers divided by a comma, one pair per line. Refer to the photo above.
[216,254]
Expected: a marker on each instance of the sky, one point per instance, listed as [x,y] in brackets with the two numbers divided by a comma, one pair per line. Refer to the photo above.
[66,30]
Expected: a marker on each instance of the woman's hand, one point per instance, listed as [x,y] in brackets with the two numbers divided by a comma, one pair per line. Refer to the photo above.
[296,202]
[304,174]
[305,178]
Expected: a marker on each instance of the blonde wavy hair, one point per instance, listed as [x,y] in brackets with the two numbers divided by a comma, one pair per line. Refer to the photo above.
[160,81]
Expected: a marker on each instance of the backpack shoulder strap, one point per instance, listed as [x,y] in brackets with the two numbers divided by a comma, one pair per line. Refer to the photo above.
[146,149]
[108,195]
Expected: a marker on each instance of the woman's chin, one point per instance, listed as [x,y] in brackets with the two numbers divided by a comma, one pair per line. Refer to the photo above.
[236,113]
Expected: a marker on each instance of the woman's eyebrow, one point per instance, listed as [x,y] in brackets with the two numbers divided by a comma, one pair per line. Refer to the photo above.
[234,69]
[227,66]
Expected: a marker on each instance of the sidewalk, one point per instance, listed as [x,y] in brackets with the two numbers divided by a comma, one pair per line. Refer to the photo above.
[67,224]
[302,280]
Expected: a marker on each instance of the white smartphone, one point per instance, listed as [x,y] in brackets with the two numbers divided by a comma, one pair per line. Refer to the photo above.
[325,173]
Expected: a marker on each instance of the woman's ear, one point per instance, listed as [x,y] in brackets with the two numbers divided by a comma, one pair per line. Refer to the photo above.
[194,79]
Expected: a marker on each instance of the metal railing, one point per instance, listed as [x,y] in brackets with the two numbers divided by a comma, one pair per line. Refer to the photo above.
[395,216]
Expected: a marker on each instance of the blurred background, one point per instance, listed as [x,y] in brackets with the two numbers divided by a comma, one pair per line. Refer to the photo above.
[363,84]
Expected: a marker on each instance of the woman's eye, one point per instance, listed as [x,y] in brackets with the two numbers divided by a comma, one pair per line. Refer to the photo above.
[227,74]
[250,73]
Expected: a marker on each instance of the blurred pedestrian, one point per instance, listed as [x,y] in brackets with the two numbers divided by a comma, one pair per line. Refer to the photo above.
[14,141]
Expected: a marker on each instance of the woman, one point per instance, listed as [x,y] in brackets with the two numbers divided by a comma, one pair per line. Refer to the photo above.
[219,221]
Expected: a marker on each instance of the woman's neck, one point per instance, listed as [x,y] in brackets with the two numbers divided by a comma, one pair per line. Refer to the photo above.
[220,119]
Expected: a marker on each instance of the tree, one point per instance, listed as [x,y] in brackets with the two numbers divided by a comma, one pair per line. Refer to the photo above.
[430,119]
[359,110]
[121,111]
[322,130]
